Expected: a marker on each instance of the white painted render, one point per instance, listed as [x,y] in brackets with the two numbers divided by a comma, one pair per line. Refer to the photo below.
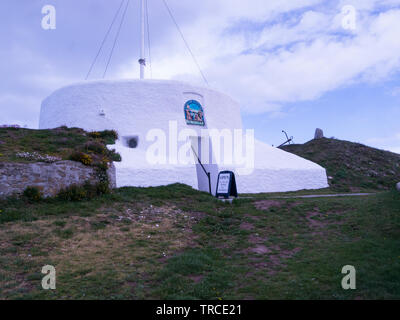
[134,107]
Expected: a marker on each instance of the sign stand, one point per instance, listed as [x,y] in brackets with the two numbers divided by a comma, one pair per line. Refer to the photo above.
[226,185]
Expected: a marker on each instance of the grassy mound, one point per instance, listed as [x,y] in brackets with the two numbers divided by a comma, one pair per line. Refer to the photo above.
[352,166]
[27,145]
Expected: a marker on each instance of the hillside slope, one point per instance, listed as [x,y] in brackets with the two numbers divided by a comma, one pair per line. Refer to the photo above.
[352,166]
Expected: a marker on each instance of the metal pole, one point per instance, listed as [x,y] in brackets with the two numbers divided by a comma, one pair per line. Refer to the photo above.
[205,171]
[142,60]
[209,181]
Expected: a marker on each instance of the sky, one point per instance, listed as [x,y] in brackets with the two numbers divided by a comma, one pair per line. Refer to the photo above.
[293,65]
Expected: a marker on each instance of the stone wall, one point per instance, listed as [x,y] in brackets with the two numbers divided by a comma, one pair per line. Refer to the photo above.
[50,178]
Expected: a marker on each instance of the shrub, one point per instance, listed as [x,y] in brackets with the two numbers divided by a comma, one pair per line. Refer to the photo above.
[98,189]
[102,168]
[81,157]
[90,190]
[94,134]
[85,192]
[33,194]
[72,193]
[102,188]
[114,156]
[108,135]
[96,147]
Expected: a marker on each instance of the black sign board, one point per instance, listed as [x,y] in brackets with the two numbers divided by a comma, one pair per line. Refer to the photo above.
[226,185]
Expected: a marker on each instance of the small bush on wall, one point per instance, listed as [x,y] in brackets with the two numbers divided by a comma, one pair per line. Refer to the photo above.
[108,135]
[32,194]
[96,147]
[95,153]
[81,157]
[114,156]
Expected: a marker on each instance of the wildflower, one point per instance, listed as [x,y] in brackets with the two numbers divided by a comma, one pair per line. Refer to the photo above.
[37,157]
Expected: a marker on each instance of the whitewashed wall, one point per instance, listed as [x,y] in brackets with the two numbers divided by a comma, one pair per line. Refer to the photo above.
[133,107]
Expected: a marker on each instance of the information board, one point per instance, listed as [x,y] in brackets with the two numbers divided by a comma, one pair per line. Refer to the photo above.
[224,181]
[226,185]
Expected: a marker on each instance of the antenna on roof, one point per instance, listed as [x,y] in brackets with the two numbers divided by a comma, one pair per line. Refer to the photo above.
[142,60]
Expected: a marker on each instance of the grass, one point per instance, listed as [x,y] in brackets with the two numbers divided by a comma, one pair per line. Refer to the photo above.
[353,167]
[177,243]
[61,142]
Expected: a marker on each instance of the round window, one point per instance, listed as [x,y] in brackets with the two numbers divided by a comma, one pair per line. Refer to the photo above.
[133,143]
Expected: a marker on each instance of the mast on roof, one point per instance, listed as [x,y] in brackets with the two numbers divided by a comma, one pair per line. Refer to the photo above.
[142,60]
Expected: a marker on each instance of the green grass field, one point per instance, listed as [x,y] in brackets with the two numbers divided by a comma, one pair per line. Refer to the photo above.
[176,243]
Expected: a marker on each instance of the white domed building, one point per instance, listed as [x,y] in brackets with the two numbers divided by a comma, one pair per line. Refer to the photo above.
[166,127]
[159,122]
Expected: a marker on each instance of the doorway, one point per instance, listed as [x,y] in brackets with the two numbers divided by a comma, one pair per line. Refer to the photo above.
[205,163]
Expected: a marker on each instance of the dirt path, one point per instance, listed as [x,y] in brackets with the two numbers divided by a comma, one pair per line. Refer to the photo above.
[329,195]
[311,196]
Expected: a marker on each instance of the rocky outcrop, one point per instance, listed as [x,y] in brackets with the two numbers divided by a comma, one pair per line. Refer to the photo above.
[50,178]
[319,134]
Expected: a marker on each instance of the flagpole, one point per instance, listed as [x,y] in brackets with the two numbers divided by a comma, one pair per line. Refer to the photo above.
[142,60]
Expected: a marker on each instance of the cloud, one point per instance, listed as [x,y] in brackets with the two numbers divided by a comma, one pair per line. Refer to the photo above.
[263,53]
[266,54]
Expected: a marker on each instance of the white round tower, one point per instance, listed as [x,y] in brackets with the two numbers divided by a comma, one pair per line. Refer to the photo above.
[163,118]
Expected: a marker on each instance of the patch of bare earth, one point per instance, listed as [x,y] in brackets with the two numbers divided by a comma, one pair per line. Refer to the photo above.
[260,249]
[267,204]
[295,204]
[257,239]
[246,226]
[318,222]
[196,278]
[270,258]
[226,242]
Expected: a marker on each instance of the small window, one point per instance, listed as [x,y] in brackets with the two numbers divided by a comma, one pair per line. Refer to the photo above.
[131,142]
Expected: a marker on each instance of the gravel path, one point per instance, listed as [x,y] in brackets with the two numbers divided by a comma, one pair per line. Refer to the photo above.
[329,195]
[311,196]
